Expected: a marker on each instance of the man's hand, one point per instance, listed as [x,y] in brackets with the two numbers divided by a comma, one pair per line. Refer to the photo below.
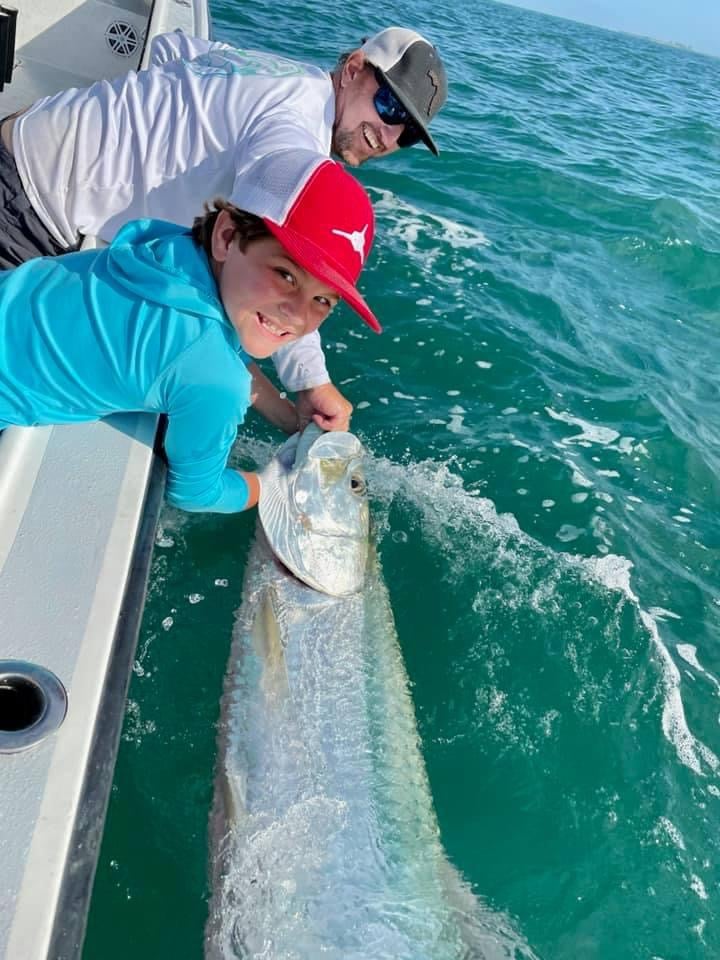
[266,399]
[325,405]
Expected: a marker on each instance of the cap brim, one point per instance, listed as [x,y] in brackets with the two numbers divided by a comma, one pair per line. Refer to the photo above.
[313,259]
[420,123]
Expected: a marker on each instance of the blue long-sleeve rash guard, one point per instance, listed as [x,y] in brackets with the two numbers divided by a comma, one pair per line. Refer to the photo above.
[137,326]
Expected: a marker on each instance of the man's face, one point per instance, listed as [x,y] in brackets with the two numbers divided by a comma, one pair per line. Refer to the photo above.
[358,133]
[270,299]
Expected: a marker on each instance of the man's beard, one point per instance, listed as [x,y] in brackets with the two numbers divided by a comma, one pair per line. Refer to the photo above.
[342,147]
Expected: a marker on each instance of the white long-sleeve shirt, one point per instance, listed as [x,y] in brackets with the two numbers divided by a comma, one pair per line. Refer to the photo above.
[159,142]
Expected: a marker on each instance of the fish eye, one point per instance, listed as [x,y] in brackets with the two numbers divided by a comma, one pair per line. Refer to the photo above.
[357,484]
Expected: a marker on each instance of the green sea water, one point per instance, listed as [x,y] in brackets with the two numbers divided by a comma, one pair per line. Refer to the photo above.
[542,417]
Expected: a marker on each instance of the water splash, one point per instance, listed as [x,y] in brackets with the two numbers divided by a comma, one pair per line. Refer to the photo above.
[448,509]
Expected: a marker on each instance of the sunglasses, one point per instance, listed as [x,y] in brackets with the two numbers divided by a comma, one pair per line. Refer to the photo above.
[391,111]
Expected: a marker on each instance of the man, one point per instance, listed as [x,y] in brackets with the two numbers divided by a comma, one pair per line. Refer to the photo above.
[159,142]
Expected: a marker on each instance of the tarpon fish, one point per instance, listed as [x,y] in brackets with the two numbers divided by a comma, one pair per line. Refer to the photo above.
[324,840]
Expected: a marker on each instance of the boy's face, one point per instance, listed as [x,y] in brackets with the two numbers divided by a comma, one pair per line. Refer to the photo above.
[270,300]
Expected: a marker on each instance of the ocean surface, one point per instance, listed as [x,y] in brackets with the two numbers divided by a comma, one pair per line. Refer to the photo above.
[542,418]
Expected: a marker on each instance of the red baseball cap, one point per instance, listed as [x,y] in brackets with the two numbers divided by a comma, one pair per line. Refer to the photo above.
[320,214]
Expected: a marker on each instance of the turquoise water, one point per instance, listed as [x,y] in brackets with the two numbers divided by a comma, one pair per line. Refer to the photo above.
[542,413]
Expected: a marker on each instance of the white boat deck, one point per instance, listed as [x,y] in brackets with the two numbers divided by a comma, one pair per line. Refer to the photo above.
[62,44]
[78,506]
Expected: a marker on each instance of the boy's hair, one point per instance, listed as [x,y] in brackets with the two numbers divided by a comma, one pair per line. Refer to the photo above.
[248,227]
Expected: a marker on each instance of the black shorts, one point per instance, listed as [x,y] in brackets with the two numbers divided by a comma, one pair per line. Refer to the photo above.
[23,235]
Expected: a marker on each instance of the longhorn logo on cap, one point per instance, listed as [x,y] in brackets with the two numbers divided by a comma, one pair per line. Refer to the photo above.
[356,240]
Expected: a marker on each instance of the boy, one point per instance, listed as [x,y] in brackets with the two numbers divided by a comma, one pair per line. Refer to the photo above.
[165,321]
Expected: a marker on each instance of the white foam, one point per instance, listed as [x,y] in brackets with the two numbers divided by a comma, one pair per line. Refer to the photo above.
[578,478]
[455,424]
[615,573]
[589,432]
[666,826]
[592,433]
[568,532]
[689,654]
[412,222]
[698,887]
[135,728]
[690,751]
[660,613]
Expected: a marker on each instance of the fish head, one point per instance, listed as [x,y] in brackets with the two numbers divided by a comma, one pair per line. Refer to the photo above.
[314,510]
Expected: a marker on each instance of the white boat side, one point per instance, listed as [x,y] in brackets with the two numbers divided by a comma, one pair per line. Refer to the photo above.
[78,509]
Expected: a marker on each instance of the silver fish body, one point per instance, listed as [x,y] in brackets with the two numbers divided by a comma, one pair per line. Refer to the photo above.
[324,838]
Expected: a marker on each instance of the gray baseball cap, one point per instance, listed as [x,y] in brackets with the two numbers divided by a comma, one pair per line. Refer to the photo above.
[412,68]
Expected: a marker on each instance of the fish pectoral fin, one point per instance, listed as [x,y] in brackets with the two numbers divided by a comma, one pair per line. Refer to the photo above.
[268,645]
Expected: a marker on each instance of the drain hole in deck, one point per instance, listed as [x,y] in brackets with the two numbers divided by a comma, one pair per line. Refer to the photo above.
[22,703]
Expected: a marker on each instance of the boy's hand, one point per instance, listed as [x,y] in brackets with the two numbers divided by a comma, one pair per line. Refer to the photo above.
[325,405]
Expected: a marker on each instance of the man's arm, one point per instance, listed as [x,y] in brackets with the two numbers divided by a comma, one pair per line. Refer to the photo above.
[302,370]
[266,399]
[177,45]
[325,406]
[301,365]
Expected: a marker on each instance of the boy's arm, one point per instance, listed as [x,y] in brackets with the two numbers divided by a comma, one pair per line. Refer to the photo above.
[267,401]
[253,483]
[205,403]
[198,443]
